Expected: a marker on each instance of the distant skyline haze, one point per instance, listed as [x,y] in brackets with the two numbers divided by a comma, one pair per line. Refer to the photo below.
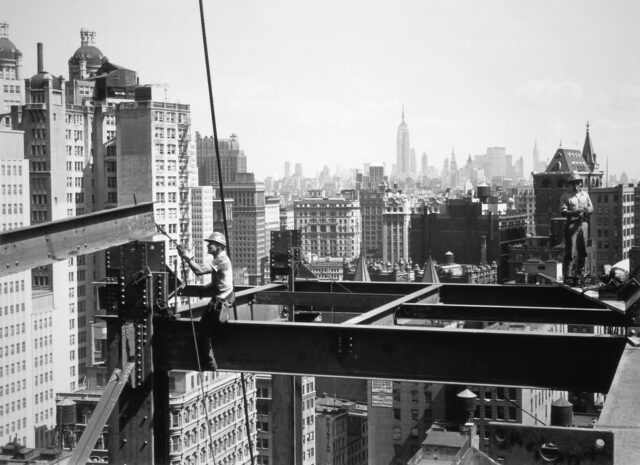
[324,83]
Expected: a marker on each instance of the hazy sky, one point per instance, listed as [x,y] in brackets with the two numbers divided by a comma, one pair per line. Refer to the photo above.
[324,82]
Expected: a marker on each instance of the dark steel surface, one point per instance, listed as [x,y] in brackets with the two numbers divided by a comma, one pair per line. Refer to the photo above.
[358,287]
[551,360]
[505,295]
[620,411]
[41,244]
[586,316]
[377,314]
[519,444]
[324,301]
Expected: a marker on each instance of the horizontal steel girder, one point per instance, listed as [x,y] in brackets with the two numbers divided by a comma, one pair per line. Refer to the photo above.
[547,360]
[45,243]
[324,301]
[560,315]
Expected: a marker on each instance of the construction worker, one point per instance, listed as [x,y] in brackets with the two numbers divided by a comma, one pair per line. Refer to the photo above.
[575,206]
[221,284]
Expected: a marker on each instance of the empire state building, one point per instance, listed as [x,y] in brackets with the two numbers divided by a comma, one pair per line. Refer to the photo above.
[403,151]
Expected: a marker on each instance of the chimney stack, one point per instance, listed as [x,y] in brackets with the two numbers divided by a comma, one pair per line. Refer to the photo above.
[40,59]
[483,250]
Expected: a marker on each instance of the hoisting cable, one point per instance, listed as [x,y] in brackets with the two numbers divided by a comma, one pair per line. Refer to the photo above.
[195,342]
[223,207]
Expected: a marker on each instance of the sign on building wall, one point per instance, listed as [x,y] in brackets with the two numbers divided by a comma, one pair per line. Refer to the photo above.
[381,393]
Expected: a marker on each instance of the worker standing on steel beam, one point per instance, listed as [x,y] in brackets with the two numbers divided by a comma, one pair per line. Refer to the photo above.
[576,207]
[223,298]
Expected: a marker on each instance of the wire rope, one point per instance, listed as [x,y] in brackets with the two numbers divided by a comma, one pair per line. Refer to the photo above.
[223,204]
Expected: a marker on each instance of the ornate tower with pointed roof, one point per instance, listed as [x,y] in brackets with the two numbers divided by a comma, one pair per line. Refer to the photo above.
[550,184]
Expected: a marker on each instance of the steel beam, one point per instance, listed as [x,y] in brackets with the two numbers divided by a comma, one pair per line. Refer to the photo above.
[324,301]
[243,294]
[358,287]
[524,444]
[549,315]
[103,410]
[620,411]
[505,295]
[45,243]
[547,360]
[383,311]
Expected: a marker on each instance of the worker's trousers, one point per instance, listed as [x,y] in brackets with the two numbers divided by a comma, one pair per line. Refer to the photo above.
[575,248]
[215,315]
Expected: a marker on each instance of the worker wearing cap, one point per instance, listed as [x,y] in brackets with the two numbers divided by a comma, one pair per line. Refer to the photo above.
[222,286]
[575,206]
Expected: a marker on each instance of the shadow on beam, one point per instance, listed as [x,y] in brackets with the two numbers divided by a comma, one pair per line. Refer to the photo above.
[546,360]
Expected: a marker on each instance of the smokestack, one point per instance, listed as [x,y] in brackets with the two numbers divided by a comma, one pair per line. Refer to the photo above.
[40,59]
[483,250]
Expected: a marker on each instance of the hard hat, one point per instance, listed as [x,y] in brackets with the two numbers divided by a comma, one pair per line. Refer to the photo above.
[218,238]
[574,177]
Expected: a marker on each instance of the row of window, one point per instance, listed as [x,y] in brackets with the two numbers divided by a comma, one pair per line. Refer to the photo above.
[7,189]
[11,89]
[16,367]
[7,170]
[13,387]
[170,117]
[42,359]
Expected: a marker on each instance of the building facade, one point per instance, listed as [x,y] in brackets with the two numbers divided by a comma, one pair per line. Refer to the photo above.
[396,220]
[330,227]
[11,78]
[250,249]
[266,416]
[232,160]
[154,158]
[612,224]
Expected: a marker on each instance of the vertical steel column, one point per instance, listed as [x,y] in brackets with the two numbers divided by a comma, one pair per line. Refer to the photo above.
[286,399]
[286,412]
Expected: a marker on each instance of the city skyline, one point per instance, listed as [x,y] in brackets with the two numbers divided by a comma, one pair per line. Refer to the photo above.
[324,84]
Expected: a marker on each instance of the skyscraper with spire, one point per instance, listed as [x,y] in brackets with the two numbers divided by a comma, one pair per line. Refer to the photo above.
[537,164]
[403,150]
[453,168]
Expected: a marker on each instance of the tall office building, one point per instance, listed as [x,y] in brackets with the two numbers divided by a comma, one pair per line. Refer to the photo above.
[538,165]
[453,169]
[271,217]
[26,328]
[612,225]
[43,120]
[154,163]
[266,418]
[403,151]
[341,431]
[232,160]
[11,79]
[330,227]
[372,208]
[250,249]
[396,220]
[201,223]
